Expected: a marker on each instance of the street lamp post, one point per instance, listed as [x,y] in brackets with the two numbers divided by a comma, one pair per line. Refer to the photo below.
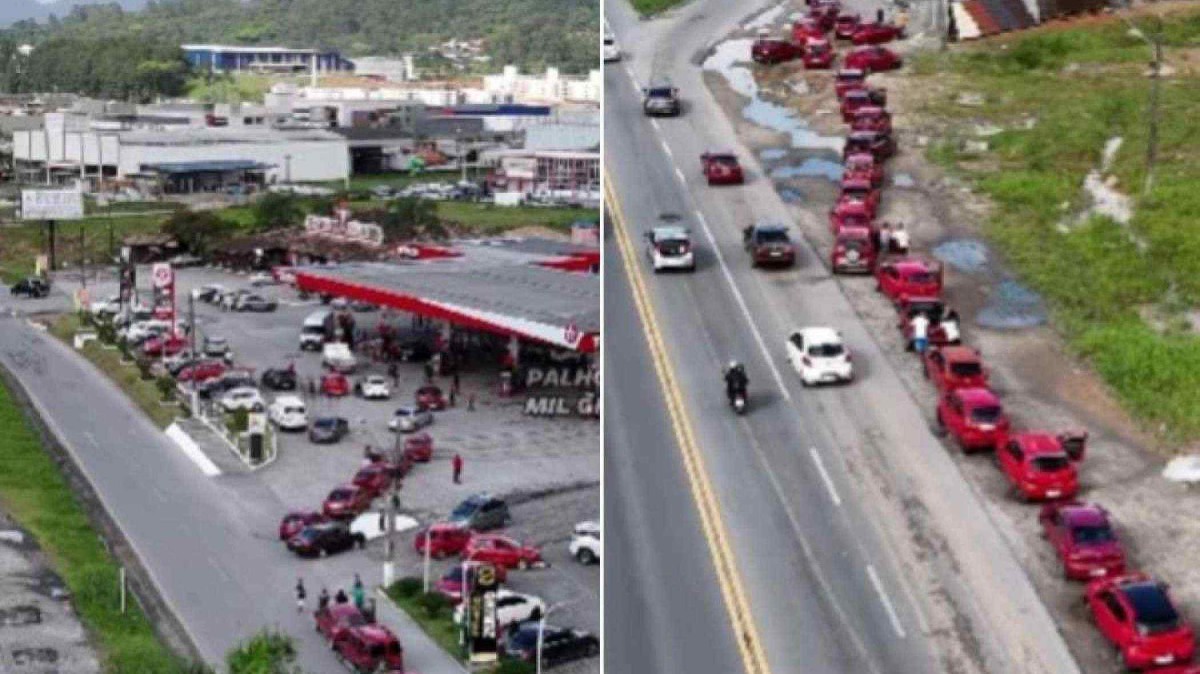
[542,629]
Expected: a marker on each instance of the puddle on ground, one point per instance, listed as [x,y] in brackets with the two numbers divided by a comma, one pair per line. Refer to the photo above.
[1012,306]
[814,167]
[730,60]
[767,18]
[773,154]
[968,255]
[903,180]
[790,195]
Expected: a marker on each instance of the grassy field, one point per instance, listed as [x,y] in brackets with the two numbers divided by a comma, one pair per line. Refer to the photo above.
[125,375]
[36,495]
[20,244]
[1121,294]
[647,7]
[488,218]
[396,180]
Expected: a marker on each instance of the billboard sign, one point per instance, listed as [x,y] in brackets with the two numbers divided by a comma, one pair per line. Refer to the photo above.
[162,275]
[344,229]
[483,633]
[524,168]
[51,204]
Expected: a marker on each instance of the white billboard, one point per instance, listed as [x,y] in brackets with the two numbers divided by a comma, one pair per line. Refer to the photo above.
[51,204]
[523,168]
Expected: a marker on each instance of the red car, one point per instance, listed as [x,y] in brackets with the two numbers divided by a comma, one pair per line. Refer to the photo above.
[807,29]
[873,59]
[1084,539]
[429,397]
[203,371]
[871,118]
[450,585]
[818,55]
[374,479]
[295,521]
[1037,466]
[370,648]
[859,192]
[769,244]
[825,14]
[862,97]
[419,448]
[333,620]
[502,551]
[769,50]
[722,168]
[335,384]
[155,345]
[862,166]
[973,416]
[1137,615]
[879,145]
[443,539]
[845,25]
[346,501]
[951,367]
[853,251]
[876,33]
[164,312]
[850,214]
[901,278]
[848,79]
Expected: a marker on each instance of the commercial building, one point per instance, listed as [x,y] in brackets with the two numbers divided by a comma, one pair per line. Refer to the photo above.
[219,58]
[559,175]
[552,87]
[400,69]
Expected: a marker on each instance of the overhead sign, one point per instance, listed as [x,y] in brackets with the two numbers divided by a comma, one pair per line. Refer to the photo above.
[51,204]
[343,228]
[162,275]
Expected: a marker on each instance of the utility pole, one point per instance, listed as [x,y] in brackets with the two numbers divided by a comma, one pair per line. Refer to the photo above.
[82,257]
[50,230]
[192,349]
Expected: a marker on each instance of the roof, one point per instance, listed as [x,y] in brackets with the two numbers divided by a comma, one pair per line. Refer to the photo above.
[914,264]
[959,354]
[821,335]
[671,232]
[252,50]
[977,396]
[1039,443]
[1084,514]
[998,16]
[219,166]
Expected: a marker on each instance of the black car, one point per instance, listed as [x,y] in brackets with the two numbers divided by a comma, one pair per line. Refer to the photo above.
[215,387]
[257,303]
[362,307]
[31,287]
[279,379]
[559,644]
[328,430]
[661,99]
[481,513]
[326,538]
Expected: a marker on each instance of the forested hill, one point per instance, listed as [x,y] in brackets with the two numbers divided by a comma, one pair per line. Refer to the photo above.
[529,33]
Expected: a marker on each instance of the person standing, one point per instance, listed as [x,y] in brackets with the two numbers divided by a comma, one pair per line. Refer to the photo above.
[323,599]
[394,373]
[920,331]
[301,595]
[879,16]
[457,465]
[900,239]
[885,239]
[359,593]
[454,381]
[340,597]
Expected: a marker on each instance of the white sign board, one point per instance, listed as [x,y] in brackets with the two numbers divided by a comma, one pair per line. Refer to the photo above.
[344,229]
[163,275]
[519,167]
[51,204]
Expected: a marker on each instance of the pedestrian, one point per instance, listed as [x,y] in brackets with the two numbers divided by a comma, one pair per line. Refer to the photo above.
[323,599]
[900,239]
[457,465]
[470,402]
[428,370]
[454,382]
[437,363]
[453,397]
[300,595]
[879,15]
[920,332]
[950,329]
[359,592]
[340,597]
[885,238]
[312,387]
[394,373]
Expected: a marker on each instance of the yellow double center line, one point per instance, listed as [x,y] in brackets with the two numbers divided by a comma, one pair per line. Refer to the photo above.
[732,592]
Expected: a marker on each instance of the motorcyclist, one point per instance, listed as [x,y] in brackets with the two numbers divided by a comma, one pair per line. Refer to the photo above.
[736,380]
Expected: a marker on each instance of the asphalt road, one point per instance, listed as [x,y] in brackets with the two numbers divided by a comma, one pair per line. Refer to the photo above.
[824,584]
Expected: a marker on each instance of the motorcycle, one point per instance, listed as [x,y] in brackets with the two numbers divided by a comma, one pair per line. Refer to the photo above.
[738,402]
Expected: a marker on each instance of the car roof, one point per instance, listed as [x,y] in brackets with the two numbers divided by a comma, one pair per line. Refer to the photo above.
[914,264]
[869,109]
[768,226]
[1039,444]
[960,354]
[406,409]
[325,420]
[853,232]
[242,389]
[288,400]
[977,396]
[1084,514]
[671,232]
[821,335]
[863,135]
[338,610]
[851,72]
[856,183]
[375,633]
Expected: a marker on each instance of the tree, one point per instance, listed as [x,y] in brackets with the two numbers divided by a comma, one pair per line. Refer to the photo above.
[410,218]
[267,652]
[276,210]
[197,231]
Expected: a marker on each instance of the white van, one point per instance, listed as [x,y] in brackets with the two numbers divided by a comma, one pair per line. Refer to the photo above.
[288,413]
[337,356]
[316,329]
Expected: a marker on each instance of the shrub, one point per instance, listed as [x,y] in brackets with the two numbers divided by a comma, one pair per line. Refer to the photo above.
[106,333]
[514,667]
[433,604]
[265,653]
[239,420]
[407,587]
[166,387]
[143,366]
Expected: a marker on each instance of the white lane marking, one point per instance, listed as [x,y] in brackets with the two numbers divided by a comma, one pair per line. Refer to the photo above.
[679,174]
[658,127]
[887,602]
[816,457]
[637,91]
[192,450]
[667,148]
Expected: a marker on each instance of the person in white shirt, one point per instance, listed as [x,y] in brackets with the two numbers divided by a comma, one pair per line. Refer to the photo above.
[900,238]
[920,331]
[949,325]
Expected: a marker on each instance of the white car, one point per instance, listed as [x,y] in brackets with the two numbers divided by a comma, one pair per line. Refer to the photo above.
[585,542]
[243,398]
[337,357]
[511,607]
[288,413]
[143,330]
[108,305]
[408,419]
[374,387]
[262,278]
[819,356]
[612,52]
[670,248]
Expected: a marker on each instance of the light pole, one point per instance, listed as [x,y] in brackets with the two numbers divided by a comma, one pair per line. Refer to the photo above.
[542,629]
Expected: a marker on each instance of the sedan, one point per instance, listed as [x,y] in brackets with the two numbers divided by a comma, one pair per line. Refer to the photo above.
[202,371]
[511,608]
[216,347]
[873,59]
[1137,615]
[335,385]
[324,539]
[502,551]
[373,387]
[876,33]
[419,448]
[336,619]
[373,479]
[410,419]
[1084,539]
[346,501]
[257,303]
[280,379]
[559,644]
[328,430]
[1037,466]
[951,367]
[430,397]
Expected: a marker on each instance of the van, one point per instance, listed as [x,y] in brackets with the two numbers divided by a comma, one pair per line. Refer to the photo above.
[337,357]
[316,329]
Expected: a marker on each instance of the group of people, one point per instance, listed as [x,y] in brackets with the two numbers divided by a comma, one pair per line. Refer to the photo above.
[358,592]
[893,238]
[922,325]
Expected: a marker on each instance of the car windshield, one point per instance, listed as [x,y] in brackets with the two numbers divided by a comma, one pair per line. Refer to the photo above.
[1153,610]
[772,236]
[293,410]
[1093,534]
[324,423]
[376,650]
[825,350]
[920,277]
[1050,464]
[608,42]
[855,220]
[850,77]
[856,193]
[966,369]
[464,509]
[726,159]
[660,92]
[986,414]
[818,49]
[340,494]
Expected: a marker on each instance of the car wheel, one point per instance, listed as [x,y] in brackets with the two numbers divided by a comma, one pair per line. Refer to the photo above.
[585,556]
[523,564]
[360,540]
[593,649]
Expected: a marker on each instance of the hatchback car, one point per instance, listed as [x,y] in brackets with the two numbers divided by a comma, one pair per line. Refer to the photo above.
[902,278]
[1084,539]
[1037,466]
[202,371]
[819,356]
[328,430]
[818,55]
[670,248]
[876,33]
[770,50]
[871,118]
[257,303]
[481,513]
[845,24]
[370,648]
[430,397]
[375,479]
[859,192]
[1137,615]
[880,145]
[335,384]
[216,347]
[585,542]
[347,501]
[862,166]
[974,417]
[410,419]
[243,398]
[419,448]
[853,251]
[807,29]
[279,379]
[502,551]
[873,59]
[333,620]
[373,387]
[325,538]
[769,244]
[661,99]
[951,367]
[559,644]
[721,168]
[443,539]
[848,79]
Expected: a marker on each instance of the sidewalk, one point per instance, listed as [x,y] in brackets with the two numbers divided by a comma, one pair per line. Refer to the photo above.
[421,653]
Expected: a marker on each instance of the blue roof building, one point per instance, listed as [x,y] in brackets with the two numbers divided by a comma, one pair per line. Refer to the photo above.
[226,58]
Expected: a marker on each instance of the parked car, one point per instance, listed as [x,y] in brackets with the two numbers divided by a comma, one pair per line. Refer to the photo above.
[873,59]
[511,608]
[769,243]
[256,303]
[585,542]
[819,356]
[450,585]
[818,55]
[288,413]
[202,371]
[325,538]
[374,479]
[859,192]
[338,357]
[610,50]
[481,512]
[845,24]
[216,347]
[108,306]
[852,214]
[227,381]
[328,430]
[335,619]
[31,287]
[880,145]
[408,419]
[933,309]
[502,551]
[721,168]
[859,98]
[373,387]
[951,367]
[974,417]
[862,166]
[429,397]
[876,33]
[770,50]
[559,644]
[444,539]
[243,398]
[370,648]
[346,501]
[295,521]
[363,307]
[209,293]
[1083,537]
[807,29]
[1037,466]
[155,347]
[1137,615]
[902,278]
[335,385]
[661,98]
[871,118]
[280,379]
[853,250]
[848,79]
[419,448]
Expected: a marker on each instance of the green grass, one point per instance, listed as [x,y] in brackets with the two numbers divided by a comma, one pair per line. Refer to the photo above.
[648,7]
[37,496]
[20,244]
[488,218]
[125,375]
[439,624]
[1083,86]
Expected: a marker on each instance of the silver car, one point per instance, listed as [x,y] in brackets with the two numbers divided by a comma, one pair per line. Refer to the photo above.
[408,419]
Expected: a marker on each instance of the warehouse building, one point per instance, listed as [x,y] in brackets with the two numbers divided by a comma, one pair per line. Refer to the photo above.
[218,58]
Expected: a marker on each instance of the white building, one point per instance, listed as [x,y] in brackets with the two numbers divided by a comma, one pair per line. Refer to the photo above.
[402,69]
[551,87]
